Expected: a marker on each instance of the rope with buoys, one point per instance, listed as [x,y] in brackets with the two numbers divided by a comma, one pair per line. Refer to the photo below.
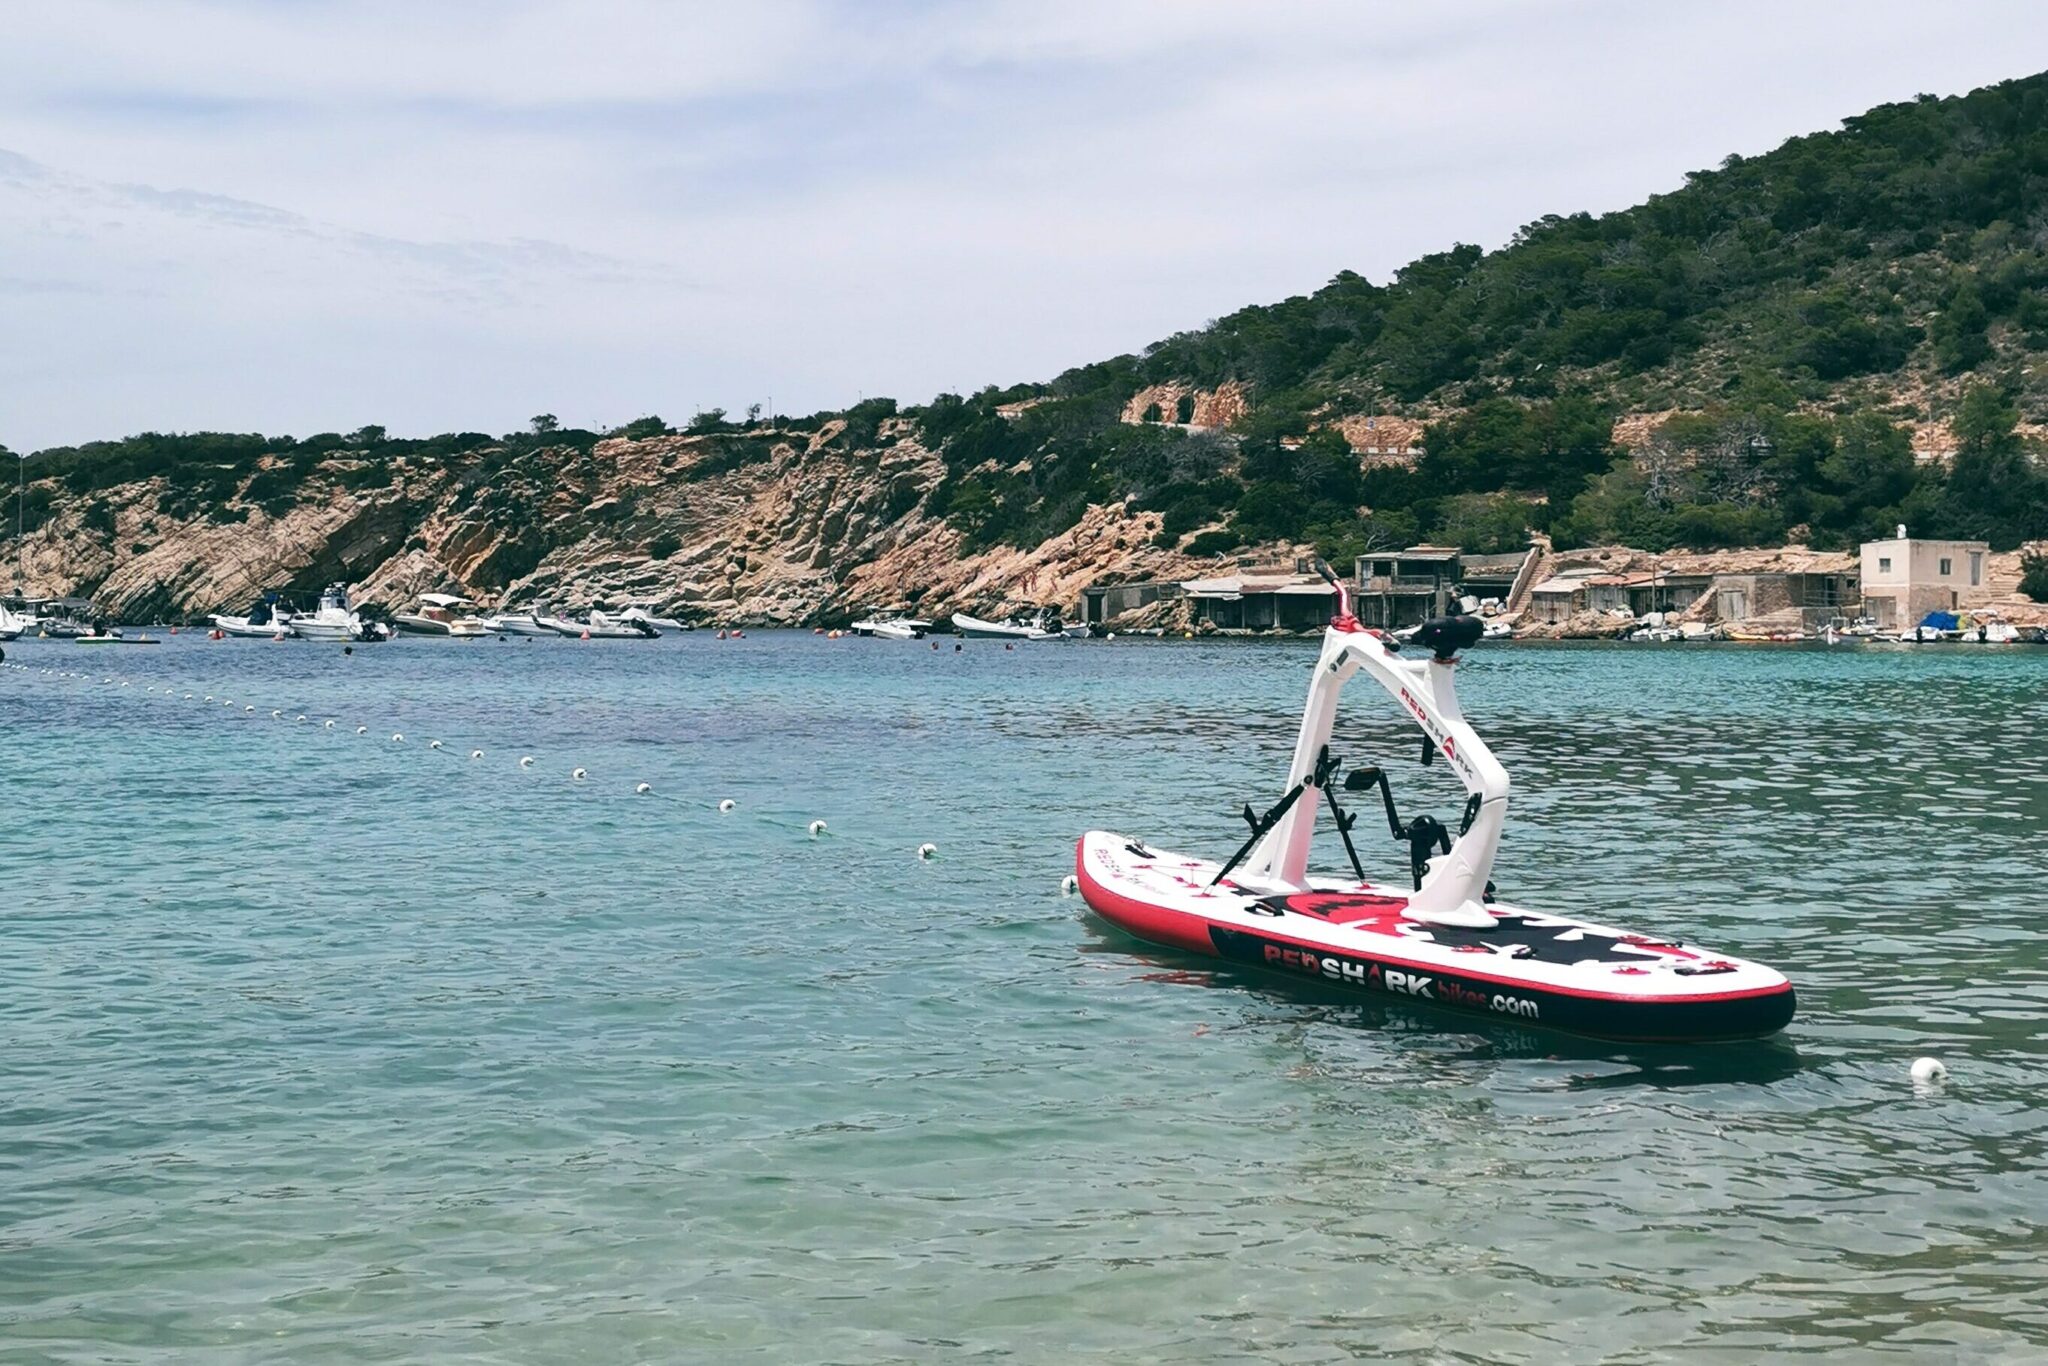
[812,827]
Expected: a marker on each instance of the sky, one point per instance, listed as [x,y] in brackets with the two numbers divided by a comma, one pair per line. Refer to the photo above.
[307,215]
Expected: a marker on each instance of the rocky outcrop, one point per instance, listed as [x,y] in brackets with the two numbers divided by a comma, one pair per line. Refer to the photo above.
[773,528]
[1218,407]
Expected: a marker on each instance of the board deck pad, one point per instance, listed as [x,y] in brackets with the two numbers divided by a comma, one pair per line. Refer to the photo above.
[1531,967]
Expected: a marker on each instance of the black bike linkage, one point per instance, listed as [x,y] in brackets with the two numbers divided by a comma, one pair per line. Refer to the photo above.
[1424,836]
[1325,766]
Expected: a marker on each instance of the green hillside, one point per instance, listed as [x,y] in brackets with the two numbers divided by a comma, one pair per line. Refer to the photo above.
[1797,305]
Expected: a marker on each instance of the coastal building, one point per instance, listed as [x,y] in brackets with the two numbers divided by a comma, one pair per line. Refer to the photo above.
[1904,579]
[1494,576]
[1563,596]
[1102,601]
[1406,587]
[1806,600]
[1255,600]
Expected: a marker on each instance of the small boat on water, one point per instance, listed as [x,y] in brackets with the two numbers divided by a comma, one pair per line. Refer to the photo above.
[1442,939]
[334,619]
[892,628]
[598,626]
[442,614]
[511,623]
[113,636]
[1042,625]
[267,620]
[13,623]
[639,612]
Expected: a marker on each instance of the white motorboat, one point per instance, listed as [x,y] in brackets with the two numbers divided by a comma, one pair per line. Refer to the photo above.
[640,613]
[334,619]
[442,614]
[892,628]
[598,626]
[1043,625]
[12,623]
[267,620]
[625,626]
[516,624]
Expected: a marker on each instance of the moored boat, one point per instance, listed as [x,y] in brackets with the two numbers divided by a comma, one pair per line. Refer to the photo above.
[334,619]
[442,614]
[1042,625]
[267,620]
[639,612]
[892,628]
[597,626]
[515,623]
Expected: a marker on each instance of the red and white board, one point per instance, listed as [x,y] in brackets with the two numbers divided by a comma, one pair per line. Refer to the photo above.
[1527,967]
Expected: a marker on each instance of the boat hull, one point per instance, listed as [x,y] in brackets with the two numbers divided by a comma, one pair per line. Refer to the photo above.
[974,628]
[1530,968]
[428,626]
[248,630]
[323,630]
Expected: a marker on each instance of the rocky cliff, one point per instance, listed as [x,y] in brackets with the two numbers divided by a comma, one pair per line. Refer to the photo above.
[765,527]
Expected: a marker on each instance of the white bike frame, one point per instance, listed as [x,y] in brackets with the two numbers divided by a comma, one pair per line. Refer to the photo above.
[1453,891]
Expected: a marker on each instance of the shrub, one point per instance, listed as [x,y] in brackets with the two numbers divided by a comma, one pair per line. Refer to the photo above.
[664,546]
[1215,543]
[2034,575]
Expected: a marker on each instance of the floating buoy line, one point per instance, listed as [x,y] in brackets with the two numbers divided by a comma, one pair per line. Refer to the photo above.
[809,827]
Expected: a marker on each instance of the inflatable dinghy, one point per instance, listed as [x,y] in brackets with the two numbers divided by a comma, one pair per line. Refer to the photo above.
[1445,939]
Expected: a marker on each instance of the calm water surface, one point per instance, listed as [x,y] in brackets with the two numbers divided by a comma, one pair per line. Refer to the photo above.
[317,1047]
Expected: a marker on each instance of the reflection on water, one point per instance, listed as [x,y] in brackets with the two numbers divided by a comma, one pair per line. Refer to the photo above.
[321,1047]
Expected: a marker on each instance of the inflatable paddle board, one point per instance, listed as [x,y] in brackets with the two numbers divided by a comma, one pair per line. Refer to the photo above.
[1445,940]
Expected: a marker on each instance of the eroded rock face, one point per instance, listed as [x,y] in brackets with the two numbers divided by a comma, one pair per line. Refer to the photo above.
[770,529]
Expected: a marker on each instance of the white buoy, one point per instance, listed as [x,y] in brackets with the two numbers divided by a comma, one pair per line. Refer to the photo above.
[643,788]
[526,761]
[248,708]
[298,718]
[1069,885]
[727,805]
[188,697]
[362,730]
[397,737]
[327,725]
[476,754]
[1929,1071]
[277,715]
[927,851]
[209,696]
[433,744]
[816,828]
[578,775]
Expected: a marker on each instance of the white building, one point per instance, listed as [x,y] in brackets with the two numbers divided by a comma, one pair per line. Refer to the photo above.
[1905,579]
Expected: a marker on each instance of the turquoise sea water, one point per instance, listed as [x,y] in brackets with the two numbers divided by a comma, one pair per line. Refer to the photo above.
[317,1047]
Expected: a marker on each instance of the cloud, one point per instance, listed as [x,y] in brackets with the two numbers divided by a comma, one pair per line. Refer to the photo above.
[238,213]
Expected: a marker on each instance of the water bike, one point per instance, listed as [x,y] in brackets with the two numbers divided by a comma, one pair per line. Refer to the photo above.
[1444,940]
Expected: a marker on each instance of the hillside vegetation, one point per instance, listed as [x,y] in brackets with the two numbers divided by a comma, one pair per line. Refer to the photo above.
[1790,314]
[1797,306]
